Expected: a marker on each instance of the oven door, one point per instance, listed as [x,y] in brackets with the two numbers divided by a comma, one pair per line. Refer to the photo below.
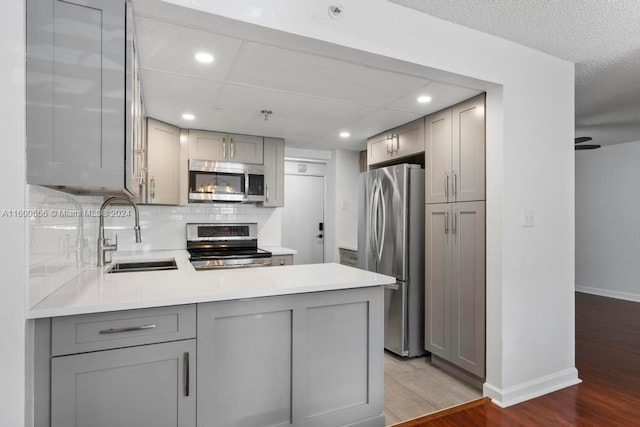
[208,182]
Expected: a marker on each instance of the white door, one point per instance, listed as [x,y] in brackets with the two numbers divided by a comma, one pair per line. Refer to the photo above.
[303,218]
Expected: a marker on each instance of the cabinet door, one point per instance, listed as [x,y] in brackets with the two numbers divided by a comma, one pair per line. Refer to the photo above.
[437,279]
[438,156]
[410,138]
[151,385]
[378,149]
[163,162]
[205,145]
[468,287]
[245,149]
[468,135]
[76,103]
[273,172]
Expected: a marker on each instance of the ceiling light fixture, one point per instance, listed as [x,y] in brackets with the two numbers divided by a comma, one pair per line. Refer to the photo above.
[345,134]
[424,99]
[266,113]
[204,57]
[188,116]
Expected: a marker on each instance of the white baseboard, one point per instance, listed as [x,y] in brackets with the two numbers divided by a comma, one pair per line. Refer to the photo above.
[531,389]
[628,296]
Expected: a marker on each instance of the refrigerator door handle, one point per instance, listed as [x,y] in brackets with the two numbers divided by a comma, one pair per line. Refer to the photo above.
[384,221]
[373,218]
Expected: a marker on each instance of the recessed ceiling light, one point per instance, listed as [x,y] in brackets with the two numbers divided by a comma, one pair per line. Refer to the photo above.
[424,99]
[345,134]
[204,57]
[188,116]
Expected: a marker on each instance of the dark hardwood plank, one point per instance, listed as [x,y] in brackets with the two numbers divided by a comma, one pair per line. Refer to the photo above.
[608,362]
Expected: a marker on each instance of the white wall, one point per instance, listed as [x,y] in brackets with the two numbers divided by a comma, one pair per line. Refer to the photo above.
[608,221]
[346,197]
[530,166]
[13,230]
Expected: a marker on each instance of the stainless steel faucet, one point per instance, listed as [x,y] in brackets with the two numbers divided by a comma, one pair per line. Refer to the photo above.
[105,247]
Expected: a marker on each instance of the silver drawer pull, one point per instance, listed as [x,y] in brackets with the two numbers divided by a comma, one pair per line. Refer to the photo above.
[128,329]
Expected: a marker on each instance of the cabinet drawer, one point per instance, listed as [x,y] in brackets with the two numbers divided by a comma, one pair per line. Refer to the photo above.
[91,332]
[282,260]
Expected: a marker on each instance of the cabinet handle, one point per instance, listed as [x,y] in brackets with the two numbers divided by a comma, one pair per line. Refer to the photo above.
[389,145]
[232,148]
[266,189]
[397,144]
[127,329]
[455,222]
[185,373]
[455,184]
[281,262]
[446,223]
[224,148]
[446,185]
[152,184]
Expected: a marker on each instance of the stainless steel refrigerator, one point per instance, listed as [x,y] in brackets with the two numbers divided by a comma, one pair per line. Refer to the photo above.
[391,242]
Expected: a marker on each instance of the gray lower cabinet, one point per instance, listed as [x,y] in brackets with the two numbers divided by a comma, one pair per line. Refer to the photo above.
[303,360]
[149,385]
[455,284]
[282,260]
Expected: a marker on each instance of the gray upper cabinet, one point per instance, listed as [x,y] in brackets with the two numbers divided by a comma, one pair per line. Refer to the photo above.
[437,156]
[163,163]
[218,146]
[80,72]
[455,153]
[455,284]
[403,141]
[273,172]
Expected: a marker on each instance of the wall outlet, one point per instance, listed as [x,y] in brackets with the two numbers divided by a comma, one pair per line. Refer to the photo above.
[528,218]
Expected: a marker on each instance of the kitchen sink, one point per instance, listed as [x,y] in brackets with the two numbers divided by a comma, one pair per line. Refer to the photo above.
[133,266]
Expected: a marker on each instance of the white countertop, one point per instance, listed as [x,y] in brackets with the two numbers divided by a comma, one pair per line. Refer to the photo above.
[279,250]
[94,291]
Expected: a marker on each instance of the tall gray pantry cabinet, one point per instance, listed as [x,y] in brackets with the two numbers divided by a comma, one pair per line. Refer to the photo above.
[83,97]
[455,235]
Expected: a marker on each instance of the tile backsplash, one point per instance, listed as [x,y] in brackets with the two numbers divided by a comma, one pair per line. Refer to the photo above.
[63,237]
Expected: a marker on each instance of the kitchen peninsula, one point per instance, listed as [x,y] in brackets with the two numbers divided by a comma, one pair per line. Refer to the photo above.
[284,345]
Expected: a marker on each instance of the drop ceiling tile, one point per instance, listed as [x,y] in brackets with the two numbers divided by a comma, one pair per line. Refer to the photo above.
[304,73]
[171,48]
[289,106]
[254,124]
[373,124]
[160,87]
[442,96]
[172,114]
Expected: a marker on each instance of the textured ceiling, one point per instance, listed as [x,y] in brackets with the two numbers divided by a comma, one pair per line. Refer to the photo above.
[602,37]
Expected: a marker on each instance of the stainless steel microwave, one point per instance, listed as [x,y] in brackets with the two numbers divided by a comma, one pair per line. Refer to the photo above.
[211,181]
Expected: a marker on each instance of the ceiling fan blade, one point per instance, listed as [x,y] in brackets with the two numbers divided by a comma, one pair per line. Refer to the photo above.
[587,147]
[581,139]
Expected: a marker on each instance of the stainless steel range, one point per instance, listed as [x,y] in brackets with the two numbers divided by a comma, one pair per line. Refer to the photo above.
[233,245]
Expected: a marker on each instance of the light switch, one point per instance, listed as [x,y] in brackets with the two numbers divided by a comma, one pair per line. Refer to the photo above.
[528,218]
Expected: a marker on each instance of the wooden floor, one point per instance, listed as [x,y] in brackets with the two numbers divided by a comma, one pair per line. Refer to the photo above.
[413,387]
[608,362]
